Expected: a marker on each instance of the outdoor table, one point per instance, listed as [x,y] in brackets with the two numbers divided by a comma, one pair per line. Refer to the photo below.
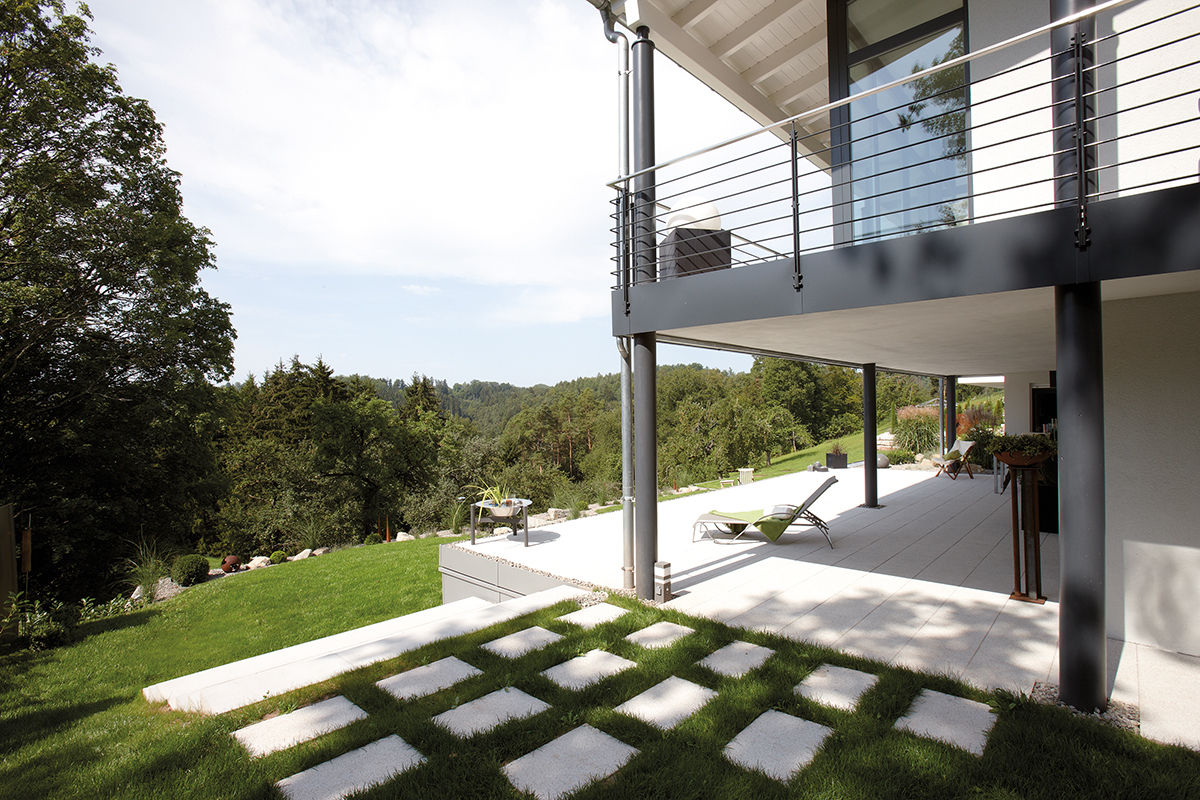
[517,516]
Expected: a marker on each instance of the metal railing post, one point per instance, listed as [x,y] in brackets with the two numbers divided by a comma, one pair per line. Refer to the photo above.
[798,276]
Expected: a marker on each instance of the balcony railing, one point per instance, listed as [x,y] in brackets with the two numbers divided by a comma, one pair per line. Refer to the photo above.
[970,138]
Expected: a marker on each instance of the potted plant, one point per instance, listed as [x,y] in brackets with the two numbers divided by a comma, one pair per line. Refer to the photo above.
[496,502]
[1023,450]
[836,458]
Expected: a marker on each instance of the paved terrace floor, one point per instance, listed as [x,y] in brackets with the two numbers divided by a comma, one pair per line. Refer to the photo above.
[923,581]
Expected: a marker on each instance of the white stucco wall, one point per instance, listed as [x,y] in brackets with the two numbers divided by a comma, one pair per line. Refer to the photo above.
[1017,399]
[1152,441]
[1150,156]
[998,139]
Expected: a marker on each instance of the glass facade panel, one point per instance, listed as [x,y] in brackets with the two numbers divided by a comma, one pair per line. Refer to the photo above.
[908,144]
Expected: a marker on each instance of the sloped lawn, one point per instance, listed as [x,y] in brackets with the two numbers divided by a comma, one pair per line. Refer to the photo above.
[73,723]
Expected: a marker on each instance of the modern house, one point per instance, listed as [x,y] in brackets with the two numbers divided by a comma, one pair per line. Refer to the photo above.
[948,188]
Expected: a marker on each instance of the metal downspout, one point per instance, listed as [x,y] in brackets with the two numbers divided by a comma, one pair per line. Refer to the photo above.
[622,42]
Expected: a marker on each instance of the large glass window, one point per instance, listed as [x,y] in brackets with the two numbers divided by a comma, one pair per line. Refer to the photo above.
[903,161]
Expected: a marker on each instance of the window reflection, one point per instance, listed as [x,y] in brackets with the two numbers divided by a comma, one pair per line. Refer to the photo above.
[908,144]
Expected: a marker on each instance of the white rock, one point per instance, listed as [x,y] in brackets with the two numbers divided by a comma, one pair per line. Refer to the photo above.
[320,551]
[303,554]
[403,537]
[259,562]
[137,594]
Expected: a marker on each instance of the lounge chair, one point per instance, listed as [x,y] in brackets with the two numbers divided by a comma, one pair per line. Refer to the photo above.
[772,525]
[955,459]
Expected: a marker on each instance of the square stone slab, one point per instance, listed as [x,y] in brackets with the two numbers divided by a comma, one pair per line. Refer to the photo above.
[522,642]
[660,634]
[777,744]
[489,711]
[591,667]
[836,686]
[352,772]
[569,762]
[286,730]
[955,720]
[667,704]
[427,679]
[592,616]
[737,658]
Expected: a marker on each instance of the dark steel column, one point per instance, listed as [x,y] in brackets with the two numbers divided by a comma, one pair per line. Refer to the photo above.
[951,411]
[870,453]
[642,74]
[1078,320]
[645,414]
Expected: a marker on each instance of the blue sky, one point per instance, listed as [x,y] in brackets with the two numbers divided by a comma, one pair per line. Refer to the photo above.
[403,187]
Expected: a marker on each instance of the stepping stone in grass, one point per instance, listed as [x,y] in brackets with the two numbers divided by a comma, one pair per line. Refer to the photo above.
[353,771]
[426,680]
[568,763]
[955,720]
[667,704]
[595,615]
[286,730]
[591,667]
[658,635]
[836,686]
[777,744]
[522,642]
[489,711]
[737,658]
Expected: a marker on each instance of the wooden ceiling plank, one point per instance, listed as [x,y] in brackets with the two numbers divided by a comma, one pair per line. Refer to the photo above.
[748,29]
[776,61]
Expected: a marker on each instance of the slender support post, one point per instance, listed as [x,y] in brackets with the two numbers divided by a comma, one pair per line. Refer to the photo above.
[1078,318]
[942,414]
[645,417]
[797,275]
[870,453]
[951,411]
[645,260]
[645,345]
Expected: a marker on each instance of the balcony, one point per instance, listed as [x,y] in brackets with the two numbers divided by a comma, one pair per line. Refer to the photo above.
[932,191]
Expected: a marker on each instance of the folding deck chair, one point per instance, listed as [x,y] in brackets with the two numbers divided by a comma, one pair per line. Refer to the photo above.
[953,462]
[772,525]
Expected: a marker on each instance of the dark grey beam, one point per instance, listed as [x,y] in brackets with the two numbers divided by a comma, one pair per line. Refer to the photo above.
[870,451]
[951,412]
[1145,234]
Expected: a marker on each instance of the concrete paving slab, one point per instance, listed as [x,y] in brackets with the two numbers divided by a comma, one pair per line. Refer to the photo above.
[1170,695]
[591,667]
[522,642]
[659,635]
[955,720]
[287,730]
[240,683]
[568,763]
[591,616]
[777,744]
[836,686]
[353,771]
[489,711]
[737,658]
[668,703]
[427,679]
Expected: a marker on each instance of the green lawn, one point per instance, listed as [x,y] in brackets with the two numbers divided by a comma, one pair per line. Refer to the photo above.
[73,723]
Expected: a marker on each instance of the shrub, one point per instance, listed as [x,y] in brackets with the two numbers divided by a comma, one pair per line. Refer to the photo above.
[373,538]
[189,570]
[146,567]
[981,454]
[900,456]
[843,425]
[39,627]
[278,557]
[917,429]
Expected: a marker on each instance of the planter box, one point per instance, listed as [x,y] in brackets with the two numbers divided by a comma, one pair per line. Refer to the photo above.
[836,460]
[687,251]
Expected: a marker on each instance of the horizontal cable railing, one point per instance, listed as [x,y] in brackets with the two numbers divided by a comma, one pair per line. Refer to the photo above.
[938,148]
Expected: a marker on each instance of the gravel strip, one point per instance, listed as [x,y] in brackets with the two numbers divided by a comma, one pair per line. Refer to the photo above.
[1120,715]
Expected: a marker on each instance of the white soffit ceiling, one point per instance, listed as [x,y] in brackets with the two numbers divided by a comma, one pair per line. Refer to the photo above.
[766,57]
